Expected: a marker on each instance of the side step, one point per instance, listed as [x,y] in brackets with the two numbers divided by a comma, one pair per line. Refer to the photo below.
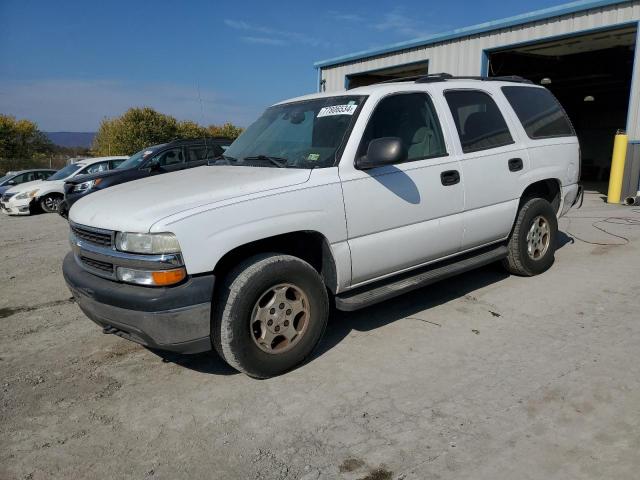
[392,287]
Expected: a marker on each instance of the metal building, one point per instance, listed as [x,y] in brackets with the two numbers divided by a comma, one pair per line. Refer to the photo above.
[584,52]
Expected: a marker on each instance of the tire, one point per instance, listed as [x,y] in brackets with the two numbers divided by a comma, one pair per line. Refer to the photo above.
[254,294]
[49,203]
[63,211]
[527,258]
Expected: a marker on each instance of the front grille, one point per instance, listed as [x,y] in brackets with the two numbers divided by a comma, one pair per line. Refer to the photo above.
[104,239]
[97,264]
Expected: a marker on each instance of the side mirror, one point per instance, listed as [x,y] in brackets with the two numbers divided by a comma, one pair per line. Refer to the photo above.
[382,151]
[11,182]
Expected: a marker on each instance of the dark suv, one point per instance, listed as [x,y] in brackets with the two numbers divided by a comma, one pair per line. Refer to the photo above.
[163,158]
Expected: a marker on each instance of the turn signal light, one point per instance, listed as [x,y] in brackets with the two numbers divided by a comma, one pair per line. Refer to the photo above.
[168,277]
[152,278]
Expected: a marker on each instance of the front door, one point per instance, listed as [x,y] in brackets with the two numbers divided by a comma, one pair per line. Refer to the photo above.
[401,216]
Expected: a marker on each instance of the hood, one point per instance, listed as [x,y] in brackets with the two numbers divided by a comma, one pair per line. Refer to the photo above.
[136,206]
[24,187]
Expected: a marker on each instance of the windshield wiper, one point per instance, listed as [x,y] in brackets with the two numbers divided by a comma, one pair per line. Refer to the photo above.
[277,161]
[221,160]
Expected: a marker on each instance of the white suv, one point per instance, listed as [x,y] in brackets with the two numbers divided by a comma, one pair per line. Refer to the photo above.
[47,194]
[350,198]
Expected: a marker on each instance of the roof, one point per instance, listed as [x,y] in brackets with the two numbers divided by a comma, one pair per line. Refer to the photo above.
[546,13]
[18,172]
[401,85]
[199,141]
[89,161]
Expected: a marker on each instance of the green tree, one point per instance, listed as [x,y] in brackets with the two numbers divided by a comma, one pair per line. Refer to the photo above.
[228,130]
[21,139]
[189,129]
[136,129]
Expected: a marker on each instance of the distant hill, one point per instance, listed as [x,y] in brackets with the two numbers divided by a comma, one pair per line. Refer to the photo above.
[71,139]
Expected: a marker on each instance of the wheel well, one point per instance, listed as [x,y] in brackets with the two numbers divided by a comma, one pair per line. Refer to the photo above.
[548,189]
[52,194]
[310,246]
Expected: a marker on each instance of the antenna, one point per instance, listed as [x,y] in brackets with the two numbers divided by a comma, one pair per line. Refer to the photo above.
[206,147]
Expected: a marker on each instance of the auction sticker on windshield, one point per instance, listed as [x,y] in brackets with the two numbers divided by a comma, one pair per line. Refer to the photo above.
[337,110]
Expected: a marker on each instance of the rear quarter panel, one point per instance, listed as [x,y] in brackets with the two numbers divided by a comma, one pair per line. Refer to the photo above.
[554,158]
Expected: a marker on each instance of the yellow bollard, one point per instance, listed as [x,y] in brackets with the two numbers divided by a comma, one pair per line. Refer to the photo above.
[617,167]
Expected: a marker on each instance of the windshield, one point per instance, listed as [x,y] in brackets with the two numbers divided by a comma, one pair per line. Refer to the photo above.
[65,172]
[5,178]
[134,161]
[303,134]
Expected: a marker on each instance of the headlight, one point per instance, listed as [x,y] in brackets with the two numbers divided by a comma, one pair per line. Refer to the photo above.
[25,195]
[152,278]
[151,243]
[85,186]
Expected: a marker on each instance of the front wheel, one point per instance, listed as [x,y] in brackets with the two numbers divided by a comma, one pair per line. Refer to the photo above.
[50,203]
[269,315]
[532,244]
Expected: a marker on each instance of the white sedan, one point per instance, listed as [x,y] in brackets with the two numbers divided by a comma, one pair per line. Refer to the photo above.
[47,194]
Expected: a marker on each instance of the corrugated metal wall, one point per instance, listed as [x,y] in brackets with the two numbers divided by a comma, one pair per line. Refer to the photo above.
[463,56]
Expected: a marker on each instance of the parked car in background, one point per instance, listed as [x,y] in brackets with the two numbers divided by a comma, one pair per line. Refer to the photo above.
[11,179]
[47,194]
[163,158]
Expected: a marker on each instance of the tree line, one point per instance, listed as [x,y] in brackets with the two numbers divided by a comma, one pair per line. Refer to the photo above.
[23,145]
[138,128]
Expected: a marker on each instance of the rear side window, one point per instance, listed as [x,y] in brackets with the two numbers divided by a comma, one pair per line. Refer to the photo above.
[541,114]
[208,152]
[478,119]
[96,168]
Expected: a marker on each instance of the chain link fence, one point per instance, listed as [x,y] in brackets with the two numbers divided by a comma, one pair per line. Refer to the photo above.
[13,164]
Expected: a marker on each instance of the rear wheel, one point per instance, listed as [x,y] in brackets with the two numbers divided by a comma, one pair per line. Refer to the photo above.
[50,203]
[270,314]
[532,244]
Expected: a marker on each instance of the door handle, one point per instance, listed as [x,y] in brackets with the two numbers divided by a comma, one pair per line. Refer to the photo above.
[450,177]
[515,164]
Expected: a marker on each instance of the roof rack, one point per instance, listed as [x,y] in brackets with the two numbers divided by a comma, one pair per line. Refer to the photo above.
[181,141]
[443,77]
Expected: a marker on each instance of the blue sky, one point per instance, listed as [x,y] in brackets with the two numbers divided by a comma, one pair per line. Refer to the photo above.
[68,64]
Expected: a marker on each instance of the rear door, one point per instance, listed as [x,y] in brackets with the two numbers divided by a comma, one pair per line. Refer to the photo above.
[115,163]
[198,155]
[492,161]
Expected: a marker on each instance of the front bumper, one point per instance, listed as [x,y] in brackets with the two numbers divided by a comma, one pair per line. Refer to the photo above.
[16,207]
[70,197]
[63,209]
[175,318]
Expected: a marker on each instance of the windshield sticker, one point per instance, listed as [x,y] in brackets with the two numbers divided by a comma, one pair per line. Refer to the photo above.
[313,157]
[337,110]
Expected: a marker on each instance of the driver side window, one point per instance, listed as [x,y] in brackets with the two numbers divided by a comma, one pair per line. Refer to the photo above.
[410,117]
[169,158]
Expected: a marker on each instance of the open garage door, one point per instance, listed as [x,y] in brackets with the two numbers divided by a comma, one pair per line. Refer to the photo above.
[591,77]
[389,73]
